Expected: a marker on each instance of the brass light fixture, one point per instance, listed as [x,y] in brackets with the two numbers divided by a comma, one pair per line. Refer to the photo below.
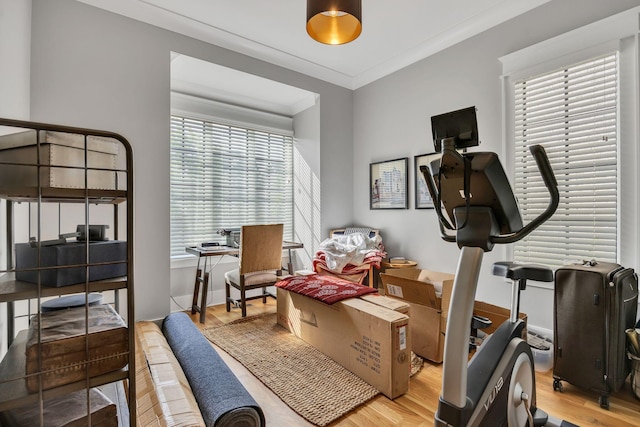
[334,21]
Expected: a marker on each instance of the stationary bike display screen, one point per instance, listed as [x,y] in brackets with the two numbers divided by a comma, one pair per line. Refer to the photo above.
[462,125]
[470,180]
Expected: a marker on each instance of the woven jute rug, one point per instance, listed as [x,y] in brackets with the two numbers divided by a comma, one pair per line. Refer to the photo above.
[312,384]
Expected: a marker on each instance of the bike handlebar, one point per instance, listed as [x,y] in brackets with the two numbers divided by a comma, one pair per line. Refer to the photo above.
[542,162]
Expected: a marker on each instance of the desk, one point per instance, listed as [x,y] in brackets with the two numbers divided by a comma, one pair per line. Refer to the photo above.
[202,275]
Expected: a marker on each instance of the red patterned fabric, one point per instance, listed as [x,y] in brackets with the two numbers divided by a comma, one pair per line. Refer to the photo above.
[328,289]
[355,277]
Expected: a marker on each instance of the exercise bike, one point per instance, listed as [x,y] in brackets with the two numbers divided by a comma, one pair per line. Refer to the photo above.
[497,386]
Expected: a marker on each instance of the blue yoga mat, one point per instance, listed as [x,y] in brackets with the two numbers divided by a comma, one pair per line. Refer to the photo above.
[223,400]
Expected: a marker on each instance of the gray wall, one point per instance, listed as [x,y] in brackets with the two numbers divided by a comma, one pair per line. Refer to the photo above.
[15,51]
[392,119]
[91,68]
[307,187]
[95,69]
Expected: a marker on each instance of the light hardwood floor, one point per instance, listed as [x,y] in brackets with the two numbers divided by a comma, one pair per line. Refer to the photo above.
[417,407]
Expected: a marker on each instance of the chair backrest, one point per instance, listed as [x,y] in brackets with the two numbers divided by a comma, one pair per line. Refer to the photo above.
[260,248]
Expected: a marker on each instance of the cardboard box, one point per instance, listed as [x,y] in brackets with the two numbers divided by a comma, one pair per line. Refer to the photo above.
[428,312]
[421,290]
[64,150]
[498,315]
[390,303]
[369,340]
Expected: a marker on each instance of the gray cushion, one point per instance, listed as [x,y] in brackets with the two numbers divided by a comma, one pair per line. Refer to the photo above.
[250,279]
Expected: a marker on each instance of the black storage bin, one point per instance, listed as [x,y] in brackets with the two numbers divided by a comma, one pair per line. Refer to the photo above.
[71,254]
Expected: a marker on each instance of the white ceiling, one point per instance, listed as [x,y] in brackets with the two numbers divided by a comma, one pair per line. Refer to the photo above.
[394,34]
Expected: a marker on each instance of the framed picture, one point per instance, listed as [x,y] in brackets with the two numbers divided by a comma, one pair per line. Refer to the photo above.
[423,198]
[388,184]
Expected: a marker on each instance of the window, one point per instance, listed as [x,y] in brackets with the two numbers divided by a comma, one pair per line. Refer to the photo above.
[226,176]
[572,113]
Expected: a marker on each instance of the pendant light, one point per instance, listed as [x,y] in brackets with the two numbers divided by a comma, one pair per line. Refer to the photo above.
[334,21]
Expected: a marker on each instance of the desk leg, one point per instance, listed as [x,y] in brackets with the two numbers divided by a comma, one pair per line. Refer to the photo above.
[203,304]
[196,291]
[290,263]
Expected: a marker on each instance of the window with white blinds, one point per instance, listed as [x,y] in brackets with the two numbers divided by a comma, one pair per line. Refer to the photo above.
[572,113]
[227,176]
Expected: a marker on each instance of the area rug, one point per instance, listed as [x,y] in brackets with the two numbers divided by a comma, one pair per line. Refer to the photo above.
[310,383]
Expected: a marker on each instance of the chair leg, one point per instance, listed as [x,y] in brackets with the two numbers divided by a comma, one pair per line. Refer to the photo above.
[264,295]
[227,293]
[243,301]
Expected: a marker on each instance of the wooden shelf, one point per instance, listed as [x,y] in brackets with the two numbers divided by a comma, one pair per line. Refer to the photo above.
[13,386]
[15,290]
[69,195]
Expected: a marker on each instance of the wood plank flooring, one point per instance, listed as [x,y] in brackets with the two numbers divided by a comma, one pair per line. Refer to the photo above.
[417,407]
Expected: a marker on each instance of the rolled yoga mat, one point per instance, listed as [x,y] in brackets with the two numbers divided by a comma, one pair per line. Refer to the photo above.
[223,400]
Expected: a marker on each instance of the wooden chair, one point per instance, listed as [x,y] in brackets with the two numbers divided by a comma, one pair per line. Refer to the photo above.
[260,264]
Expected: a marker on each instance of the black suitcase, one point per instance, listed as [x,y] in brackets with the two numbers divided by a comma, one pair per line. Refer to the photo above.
[593,305]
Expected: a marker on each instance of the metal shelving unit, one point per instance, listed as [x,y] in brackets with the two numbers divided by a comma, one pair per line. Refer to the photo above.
[41,178]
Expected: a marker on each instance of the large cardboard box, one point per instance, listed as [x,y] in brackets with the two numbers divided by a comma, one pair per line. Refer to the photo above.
[369,340]
[423,290]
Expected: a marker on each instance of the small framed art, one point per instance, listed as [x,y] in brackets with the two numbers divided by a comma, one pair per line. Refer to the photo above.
[388,184]
[423,198]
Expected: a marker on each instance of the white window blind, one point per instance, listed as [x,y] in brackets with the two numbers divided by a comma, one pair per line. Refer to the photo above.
[572,112]
[227,176]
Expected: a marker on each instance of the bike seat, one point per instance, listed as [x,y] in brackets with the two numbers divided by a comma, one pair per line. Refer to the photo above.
[514,271]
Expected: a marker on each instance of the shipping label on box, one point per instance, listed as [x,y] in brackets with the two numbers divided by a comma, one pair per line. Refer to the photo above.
[369,340]
[395,291]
